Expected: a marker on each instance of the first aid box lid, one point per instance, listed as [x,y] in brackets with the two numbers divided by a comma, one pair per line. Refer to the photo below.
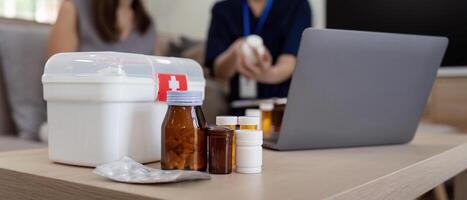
[66,70]
[107,66]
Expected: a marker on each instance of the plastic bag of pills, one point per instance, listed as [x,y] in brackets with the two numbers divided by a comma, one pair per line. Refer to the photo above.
[127,170]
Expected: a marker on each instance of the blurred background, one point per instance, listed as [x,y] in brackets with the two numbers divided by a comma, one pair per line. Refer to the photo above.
[182,29]
[170,16]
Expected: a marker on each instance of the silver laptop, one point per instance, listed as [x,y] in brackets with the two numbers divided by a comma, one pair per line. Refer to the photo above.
[353,88]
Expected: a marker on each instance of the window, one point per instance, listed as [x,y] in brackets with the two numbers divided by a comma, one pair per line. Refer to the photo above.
[44,11]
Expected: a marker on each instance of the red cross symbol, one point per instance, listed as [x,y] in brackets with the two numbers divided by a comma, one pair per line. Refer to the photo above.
[172,82]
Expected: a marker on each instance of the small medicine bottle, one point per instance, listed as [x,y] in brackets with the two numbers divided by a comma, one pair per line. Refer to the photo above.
[230,122]
[248,123]
[220,149]
[266,117]
[278,113]
[249,151]
[184,142]
[251,112]
[253,43]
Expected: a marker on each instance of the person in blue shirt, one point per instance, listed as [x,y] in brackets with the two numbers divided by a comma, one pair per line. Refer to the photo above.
[280,24]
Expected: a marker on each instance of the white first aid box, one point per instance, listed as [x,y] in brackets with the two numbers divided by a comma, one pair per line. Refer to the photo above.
[102,106]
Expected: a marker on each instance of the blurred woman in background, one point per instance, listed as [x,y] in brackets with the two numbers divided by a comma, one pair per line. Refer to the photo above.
[103,25]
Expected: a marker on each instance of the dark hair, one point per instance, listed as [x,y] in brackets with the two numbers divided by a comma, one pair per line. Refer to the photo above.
[105,18]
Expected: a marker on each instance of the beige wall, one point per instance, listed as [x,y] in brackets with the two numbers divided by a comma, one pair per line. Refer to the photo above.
[191,17]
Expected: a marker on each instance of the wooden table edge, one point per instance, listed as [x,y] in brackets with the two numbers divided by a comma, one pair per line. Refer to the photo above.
[19,185]
[426,174]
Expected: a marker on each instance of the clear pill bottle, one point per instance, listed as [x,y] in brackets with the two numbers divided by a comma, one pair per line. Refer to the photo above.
[248,123]
[230,122]
[249,151]
[266,117]
[251,112]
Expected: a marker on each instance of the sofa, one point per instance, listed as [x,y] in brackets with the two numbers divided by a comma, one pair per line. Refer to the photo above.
[23,55]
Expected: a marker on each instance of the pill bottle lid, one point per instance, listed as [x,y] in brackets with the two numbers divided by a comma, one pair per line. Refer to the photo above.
[185,98]
[249,135]
[254,41]
[245,120]
[219,131]
[266,106]
[253,112]
[281,101]
[226,120]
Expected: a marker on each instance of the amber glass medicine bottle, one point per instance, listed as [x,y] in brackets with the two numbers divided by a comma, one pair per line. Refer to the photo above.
[183,132]
[278,113]
[220,149]
[266,117]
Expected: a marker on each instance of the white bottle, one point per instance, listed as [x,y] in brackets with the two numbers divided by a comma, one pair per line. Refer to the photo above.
[252,43]
[249,153]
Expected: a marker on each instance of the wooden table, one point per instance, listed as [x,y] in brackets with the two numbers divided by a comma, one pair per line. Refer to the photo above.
[385,172]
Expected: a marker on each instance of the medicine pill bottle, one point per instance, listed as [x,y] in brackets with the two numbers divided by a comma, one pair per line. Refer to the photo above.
[220,149]
[248,123]
[251,112]
[230,122]
[249,151]
[266,117]
[278,113]
[251,44]
[183,132]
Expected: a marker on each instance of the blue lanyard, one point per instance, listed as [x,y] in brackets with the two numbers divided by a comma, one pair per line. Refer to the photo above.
[262,18]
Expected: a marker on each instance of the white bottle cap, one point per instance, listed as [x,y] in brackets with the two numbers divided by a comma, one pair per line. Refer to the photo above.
[266,106]
[281,101]
[253,112]
[245,120]
[226,120]
[254,41]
